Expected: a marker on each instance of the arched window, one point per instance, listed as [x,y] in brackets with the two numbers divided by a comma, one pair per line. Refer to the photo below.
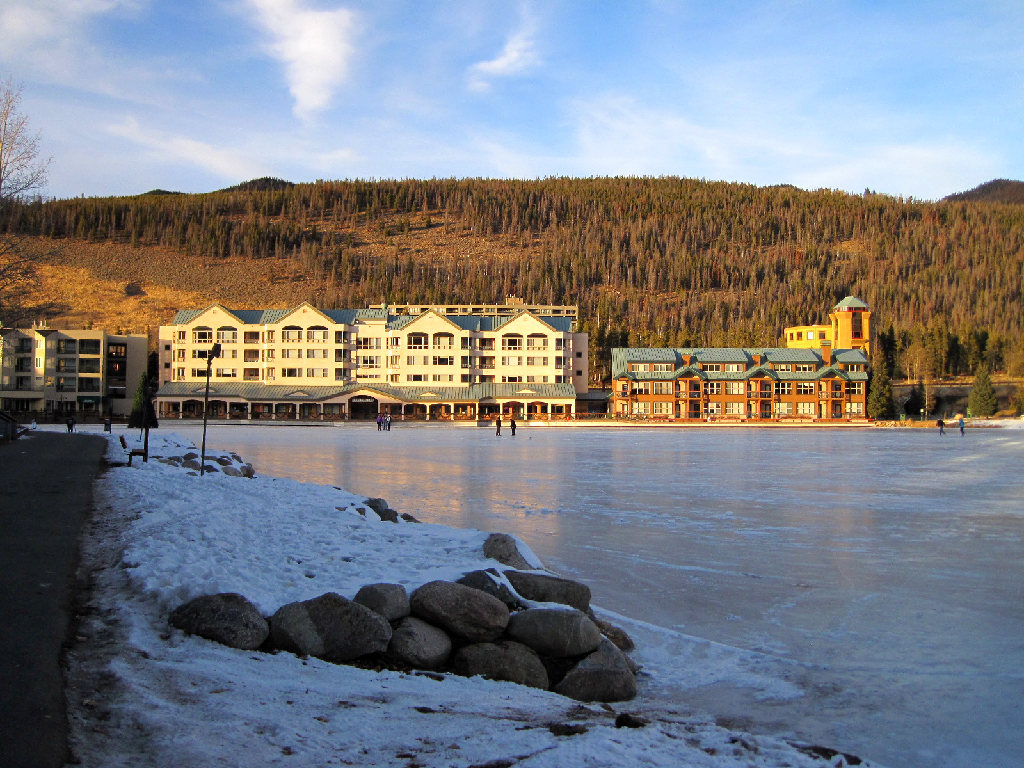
[291,333]
[316,333]
[202,334]
[444,340]
[512,341]
[227,335]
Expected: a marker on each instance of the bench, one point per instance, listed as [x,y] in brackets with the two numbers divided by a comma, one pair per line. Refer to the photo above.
[132,452]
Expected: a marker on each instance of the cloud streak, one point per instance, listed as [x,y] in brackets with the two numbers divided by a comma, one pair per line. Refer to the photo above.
[316,48]
[517,56]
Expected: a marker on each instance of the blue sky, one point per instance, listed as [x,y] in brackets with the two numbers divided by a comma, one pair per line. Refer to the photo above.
[918,99]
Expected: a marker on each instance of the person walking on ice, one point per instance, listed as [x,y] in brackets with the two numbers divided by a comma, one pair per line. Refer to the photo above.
[512,426]
[497,426]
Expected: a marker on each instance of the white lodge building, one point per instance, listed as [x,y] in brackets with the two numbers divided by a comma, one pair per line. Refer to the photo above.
[431,362]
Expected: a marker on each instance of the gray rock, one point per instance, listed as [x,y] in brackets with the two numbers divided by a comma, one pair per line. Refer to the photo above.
[505,549]
[226,618]
[503,660]
[463,611]
[419,644]
[616,634]
[190,464]
[555,632]
[247,470]
[543,588]
[389,600]
[487,581]
[224,461]
[604,675]
[231,471]
[384,512]
[330,628]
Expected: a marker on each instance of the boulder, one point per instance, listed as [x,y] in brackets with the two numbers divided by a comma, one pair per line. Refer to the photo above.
[604,675]
[503,660]
[418,644]
[231,471]
[463,611]
[505,549]
[616,634]
[227,618]
[488,581]
[555,632]
[389,600]
[542,588]
[330,628]
[384,512]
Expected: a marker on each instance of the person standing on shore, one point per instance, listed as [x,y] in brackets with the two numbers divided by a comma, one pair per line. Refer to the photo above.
[497,427]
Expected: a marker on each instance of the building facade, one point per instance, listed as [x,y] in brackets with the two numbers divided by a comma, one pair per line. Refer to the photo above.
[739,384]
[420,362]
[849,327]
[50,371]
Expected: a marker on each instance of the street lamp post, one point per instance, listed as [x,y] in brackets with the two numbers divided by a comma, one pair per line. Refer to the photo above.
[213,354]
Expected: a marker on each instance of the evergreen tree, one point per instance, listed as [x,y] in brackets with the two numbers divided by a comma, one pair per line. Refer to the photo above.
[982,399]
[880,404]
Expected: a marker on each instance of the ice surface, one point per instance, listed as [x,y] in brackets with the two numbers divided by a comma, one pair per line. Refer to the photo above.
[862,589]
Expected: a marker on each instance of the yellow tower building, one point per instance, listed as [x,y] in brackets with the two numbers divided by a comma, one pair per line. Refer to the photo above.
[849,328]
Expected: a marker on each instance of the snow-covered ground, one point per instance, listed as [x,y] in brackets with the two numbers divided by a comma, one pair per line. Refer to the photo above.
[143,694]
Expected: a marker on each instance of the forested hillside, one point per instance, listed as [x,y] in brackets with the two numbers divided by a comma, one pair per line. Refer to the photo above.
[650,261]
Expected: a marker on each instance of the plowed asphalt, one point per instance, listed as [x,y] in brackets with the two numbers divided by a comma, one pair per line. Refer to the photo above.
[46,488]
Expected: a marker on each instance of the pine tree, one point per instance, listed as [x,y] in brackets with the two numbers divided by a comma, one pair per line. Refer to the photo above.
[982,399]
[880,404]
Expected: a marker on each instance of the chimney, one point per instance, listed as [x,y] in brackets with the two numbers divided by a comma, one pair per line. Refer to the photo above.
[826,352]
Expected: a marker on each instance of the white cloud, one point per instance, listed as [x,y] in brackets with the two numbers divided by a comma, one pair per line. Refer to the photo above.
[519,55]
[174,150]
[316,48]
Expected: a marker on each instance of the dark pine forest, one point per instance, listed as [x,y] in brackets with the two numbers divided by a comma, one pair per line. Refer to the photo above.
[649,261]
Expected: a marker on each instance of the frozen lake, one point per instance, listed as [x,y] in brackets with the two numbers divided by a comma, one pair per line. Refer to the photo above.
[877,575]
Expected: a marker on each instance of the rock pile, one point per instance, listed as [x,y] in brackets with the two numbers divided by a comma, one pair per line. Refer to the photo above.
[517,625]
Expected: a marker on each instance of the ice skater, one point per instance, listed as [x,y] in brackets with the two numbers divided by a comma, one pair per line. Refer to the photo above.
[942,426]
[497,427]
[960,423]
[512,426]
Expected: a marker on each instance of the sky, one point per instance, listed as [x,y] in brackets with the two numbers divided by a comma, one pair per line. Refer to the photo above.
[917,99]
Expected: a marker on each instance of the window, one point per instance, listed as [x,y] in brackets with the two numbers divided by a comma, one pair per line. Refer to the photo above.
[443,360]
[251,374]
[227,335]
[317,354]
[444,341]
[291,354]
[226,373]
[559,344]
[536,341]
[443,377]
[486,362]
[805,388]
[291,373]
[268,337]
[67,347]
[810,335]
[416,377]
[465,361]
[536,361]
[641,388]
[783,367]
[512,360]
[852,387]
[805,367]
[511,379]
[735,388]
[340,337]
[783,388]
[855,409]
[560,363]
[735,367]
[317,334]
[89,365]
[368,342]
[641,408]
[67,365]
[806,409]
[92,346]
[418,341]
[735,409]
[89,384]
[198,373]
[662,408]
[512,341]
[712,367]
[579,354]
[202,335]
[251,356]
[713,409]
[783,409]
[316,373]
[179,374]
[291,333]
[712,387]
[117,350]
[368,361]
[663,387]
[251,337]
[662,367]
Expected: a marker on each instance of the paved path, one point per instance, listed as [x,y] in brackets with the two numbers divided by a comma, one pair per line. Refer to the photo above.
[46,484]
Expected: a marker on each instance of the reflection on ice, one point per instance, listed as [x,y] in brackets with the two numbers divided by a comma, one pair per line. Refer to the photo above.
[862,589]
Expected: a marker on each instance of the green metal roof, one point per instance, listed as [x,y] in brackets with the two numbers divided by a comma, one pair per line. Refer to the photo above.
[850,302]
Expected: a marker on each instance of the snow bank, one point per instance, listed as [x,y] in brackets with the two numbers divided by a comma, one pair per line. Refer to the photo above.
[142,694]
